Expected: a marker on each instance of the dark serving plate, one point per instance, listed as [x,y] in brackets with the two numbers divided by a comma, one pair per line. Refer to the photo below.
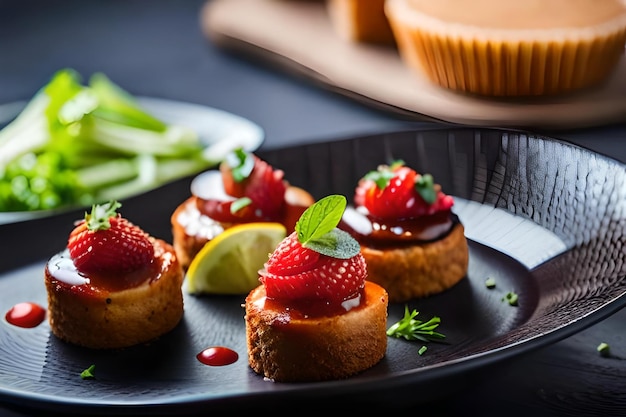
[545,218]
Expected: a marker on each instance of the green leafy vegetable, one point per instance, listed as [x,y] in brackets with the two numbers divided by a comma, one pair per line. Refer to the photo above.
[76,144]
[317,229]
[411,328]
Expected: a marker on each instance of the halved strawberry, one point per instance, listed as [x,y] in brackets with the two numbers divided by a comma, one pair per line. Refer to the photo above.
[105,242]
[399,192]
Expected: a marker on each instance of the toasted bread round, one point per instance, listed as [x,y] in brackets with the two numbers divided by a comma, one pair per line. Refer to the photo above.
[419,270]
[105,319]
[285,346]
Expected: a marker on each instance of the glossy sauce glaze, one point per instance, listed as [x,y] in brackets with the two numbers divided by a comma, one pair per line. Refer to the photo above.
[285,312]
[26,314]
[61,268]
[378,233]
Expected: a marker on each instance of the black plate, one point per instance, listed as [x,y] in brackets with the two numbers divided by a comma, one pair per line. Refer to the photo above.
[545,218]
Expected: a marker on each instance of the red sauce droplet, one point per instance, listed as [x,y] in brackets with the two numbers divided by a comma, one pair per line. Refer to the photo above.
[26,315]
[217,356]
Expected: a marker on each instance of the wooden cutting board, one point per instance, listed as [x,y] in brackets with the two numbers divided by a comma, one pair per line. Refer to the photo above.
[297,36]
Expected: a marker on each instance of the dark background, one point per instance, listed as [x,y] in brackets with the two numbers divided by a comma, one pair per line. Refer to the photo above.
[155,48]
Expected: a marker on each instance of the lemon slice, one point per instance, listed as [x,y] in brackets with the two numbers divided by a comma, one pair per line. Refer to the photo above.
[229,263]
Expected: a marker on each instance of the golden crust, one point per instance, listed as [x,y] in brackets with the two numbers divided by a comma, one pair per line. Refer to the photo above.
[419,270]
[118,319]
[287,349]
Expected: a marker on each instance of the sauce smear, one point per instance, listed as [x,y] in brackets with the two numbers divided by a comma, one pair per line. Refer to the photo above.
[26,315]
[217,356]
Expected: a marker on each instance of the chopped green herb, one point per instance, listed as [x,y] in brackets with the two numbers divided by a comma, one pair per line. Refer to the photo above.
[511,298]
[239,204]
[490,283]
[241,164]
[422,350]
[604,349]
[425,186]
[381,176]
[412,329]
[88,373]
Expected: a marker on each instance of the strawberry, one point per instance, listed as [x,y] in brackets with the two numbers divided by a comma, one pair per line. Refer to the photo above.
[399,192]
[317,261]
[106,242]
[290,257]
[244,175]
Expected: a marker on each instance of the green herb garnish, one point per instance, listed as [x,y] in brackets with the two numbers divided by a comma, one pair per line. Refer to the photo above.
[239,204]
[511,298]
[604,349]
[241,164]
[88,373]
[317,229]
[411,328]
[422,350]
[425,186]
[490,283]
[383,174]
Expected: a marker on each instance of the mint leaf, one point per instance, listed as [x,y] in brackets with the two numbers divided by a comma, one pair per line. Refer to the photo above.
[317,229]
[320,218]
[336,243]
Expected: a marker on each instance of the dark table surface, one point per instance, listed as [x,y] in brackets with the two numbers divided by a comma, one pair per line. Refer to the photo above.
[155,48]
